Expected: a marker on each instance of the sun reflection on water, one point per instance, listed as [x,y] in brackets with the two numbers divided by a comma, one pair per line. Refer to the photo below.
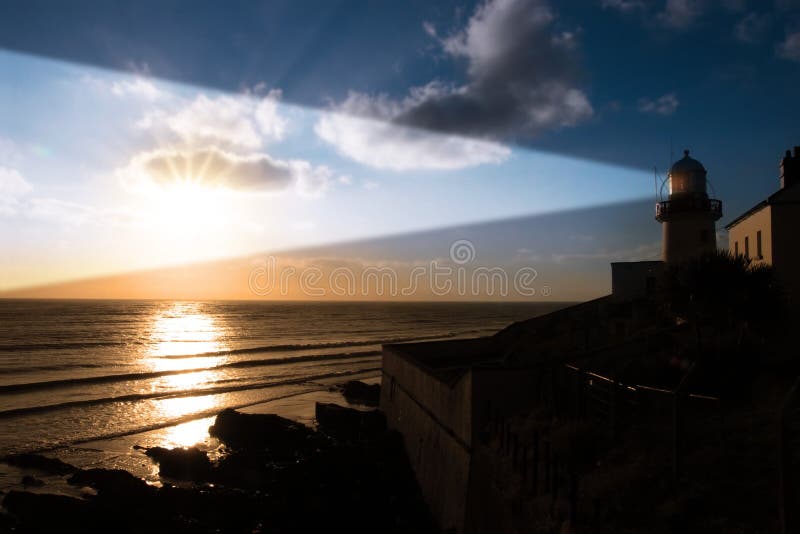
[187,434]
[183,330]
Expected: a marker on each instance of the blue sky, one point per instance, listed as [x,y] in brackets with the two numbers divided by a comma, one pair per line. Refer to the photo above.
[323,122]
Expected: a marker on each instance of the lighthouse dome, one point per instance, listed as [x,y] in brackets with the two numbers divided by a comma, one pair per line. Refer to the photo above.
[687,176]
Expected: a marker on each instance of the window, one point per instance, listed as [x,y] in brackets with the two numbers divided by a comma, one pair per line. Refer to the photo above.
[747,247]
[758,245]
[736,248]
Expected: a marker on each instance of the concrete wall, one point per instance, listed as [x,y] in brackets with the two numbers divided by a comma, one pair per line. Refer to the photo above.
[749,227]
[435,421]
[504,391]
[440,421]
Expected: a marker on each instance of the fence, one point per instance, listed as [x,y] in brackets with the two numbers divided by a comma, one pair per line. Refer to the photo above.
[611,405]
[538,463]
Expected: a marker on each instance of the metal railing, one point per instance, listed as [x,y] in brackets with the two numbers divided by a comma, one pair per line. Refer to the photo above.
[665,208]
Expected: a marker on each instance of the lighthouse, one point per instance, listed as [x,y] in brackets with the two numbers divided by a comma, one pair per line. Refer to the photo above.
[688,215]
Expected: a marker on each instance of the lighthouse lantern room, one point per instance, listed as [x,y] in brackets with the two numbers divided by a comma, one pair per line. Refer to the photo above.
[688,215]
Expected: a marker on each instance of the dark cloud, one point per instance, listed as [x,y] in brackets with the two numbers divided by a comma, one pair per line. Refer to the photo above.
[212,167]
[752,27]
[522,76]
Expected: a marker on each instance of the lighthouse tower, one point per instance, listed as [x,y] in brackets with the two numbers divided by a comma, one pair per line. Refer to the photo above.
[688,215]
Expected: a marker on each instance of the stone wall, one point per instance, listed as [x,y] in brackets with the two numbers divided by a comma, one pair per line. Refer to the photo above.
[434,420]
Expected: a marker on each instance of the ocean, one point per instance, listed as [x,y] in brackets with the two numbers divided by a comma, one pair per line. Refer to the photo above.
[74,372]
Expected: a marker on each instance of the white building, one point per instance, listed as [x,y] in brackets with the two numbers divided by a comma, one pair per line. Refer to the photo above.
[767,232]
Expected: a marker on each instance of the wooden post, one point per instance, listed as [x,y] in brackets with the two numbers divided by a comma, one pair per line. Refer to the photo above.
[582,396]
[554,389]
[677,420]
[514,450]
[524,464]
[573,499]
[677,423]
[508,438]
[502,430]
[555,476]
[613,408]
[790,522]
[535,473]
[578,386]
[547,467]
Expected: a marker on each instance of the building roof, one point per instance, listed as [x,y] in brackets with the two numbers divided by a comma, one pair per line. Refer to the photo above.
[779,197]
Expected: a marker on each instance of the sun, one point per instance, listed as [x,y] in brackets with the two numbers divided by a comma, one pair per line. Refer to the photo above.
[187,207]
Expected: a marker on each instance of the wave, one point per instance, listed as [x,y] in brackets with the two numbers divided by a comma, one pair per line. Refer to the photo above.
[177,421]
[123,377]
[199,392]
[53,367]
[323,345]
[288,347]
[31,347]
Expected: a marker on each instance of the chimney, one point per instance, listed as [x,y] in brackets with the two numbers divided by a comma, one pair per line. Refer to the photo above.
[790,168]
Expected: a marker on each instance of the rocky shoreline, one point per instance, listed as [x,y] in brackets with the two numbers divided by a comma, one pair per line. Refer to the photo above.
[271,475]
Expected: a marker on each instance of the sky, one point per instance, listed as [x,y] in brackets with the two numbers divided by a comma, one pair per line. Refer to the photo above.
[137,137]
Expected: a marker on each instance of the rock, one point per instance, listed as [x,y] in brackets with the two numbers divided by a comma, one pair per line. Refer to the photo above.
[42,512]
[280,437]
[51,466]
[113,483]
[183,464]
[349,424]
[358,392]
[6,522]
[33,482]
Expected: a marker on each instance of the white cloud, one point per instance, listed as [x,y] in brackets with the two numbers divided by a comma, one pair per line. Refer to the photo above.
[625,6]
[138,87]
[310,180]
[215,142]
[790,47]
[385,145]
[664,105]
[12,187]
[222,120]
[243,122]
[680,14]
[270,122]
[126,86]
[216,168]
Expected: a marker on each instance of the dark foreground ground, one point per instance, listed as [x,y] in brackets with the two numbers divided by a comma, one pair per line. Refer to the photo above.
[274,475]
